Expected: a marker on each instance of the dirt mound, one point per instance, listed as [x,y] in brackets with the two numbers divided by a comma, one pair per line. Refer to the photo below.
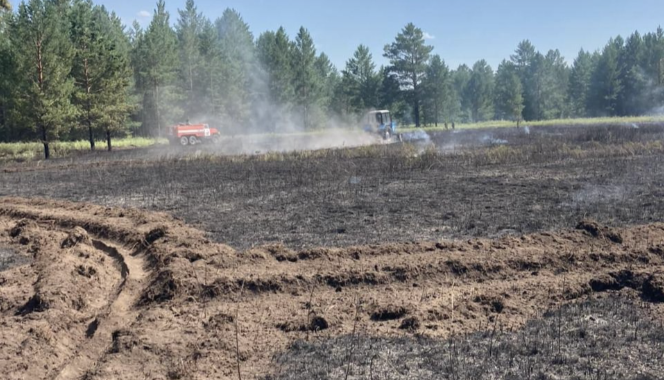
[136,292]
[76,235]
[597,230]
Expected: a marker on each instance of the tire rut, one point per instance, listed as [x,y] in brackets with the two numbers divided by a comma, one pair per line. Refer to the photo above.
[119,314]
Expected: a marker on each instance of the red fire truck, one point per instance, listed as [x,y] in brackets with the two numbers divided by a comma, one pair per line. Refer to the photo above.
[192,134]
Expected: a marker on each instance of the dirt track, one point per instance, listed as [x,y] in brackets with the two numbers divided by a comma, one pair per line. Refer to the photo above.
[121,293]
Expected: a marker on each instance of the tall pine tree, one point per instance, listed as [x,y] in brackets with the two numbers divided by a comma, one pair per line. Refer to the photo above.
[238,68]
[155,60]
[605,85]
[408,57]
[188,29]
[100,68]
[480,91]
[579,84]
[437,91]
[305,77]
[361,81]
[40,41]
[508,93]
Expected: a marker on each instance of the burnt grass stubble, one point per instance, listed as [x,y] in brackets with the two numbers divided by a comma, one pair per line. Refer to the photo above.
[466,186]
[607,338]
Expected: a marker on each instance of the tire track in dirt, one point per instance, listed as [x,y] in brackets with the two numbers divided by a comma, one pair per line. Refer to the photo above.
[190,308]
[121,313]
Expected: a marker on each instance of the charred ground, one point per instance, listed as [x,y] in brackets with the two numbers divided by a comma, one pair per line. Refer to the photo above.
[337,264]
[456,184]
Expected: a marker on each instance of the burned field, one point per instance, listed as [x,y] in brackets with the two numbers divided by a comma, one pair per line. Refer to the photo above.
[532,254]
[547,179]
[599,338]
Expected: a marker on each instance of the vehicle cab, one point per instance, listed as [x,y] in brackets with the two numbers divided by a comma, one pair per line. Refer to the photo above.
[380,122]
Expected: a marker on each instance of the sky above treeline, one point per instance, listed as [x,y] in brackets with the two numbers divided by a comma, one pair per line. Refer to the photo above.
[460,31]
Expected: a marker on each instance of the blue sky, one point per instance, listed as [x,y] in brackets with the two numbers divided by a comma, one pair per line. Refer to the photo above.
[460,31]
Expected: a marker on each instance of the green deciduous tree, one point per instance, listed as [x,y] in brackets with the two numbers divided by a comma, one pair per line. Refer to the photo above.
[409,56]
[40,41]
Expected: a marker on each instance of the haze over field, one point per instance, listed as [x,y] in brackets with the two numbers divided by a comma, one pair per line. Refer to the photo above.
[204,63]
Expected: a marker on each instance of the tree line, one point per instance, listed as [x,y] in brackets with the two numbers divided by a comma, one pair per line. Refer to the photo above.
[70,69]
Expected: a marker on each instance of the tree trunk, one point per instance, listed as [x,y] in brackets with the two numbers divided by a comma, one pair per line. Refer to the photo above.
[88,106]
[108,140]
[47,150]
[92,138]
[156,106]
[416,101]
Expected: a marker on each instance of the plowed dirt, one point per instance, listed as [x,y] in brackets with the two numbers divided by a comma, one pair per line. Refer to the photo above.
[126,294]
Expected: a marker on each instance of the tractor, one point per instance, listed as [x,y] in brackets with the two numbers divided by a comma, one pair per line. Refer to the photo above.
[380,123]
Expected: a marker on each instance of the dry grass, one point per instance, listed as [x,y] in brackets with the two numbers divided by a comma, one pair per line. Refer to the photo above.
[542,123]
[35,150]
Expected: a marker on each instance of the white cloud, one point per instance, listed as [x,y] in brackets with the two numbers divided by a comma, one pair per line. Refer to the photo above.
[428,36]
[143,14]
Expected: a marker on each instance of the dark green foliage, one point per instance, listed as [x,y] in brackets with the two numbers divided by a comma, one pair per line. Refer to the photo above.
[43,57]
[275,53]
[361,82]
[409,57]
[237,69]
[480,92]
[100,70]
[579,84]
[508,93]
[189,28]
[93,79]
[606,84]
[155,61]
[306,79]
[437,90]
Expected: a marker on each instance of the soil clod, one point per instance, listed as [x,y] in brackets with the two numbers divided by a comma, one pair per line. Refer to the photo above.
[388,313]
[76,235]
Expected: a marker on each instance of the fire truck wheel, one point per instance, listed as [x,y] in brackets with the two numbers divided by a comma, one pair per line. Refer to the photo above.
[184,140]
[192,140]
